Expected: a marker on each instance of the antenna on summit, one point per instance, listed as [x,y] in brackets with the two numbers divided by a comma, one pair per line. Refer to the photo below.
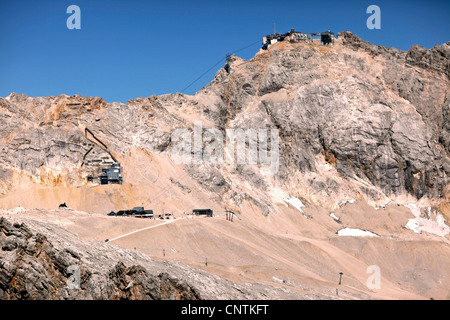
[274,28]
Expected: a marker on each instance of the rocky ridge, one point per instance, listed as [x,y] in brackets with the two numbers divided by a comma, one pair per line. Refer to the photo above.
[378,116]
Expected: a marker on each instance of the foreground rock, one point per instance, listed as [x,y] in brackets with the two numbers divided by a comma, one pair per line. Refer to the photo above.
[42,261]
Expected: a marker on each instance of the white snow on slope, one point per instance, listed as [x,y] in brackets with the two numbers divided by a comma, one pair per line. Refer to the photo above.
[413,225]
[356,232]
[346,201]
[295,202]
[418,224]
[335,217]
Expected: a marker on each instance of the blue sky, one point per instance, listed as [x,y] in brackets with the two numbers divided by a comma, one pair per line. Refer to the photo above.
[130,49]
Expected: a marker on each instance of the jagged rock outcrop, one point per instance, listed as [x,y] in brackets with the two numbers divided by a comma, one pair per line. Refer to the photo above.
[32,267]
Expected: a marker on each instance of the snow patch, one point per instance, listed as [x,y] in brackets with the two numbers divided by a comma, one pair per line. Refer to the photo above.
[334,216]
[418,224]
[276,279]
[413,225]
[295,202]
[346,201]
[356,232]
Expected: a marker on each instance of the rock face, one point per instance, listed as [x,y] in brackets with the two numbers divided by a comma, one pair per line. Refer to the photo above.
[353,119]
[42,261]
[378,115]
[33,268]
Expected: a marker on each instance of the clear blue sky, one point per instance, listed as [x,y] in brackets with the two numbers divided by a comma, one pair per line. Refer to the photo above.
[130,49]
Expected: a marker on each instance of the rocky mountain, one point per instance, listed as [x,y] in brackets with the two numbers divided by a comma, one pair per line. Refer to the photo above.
[352,120]
[377,116]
